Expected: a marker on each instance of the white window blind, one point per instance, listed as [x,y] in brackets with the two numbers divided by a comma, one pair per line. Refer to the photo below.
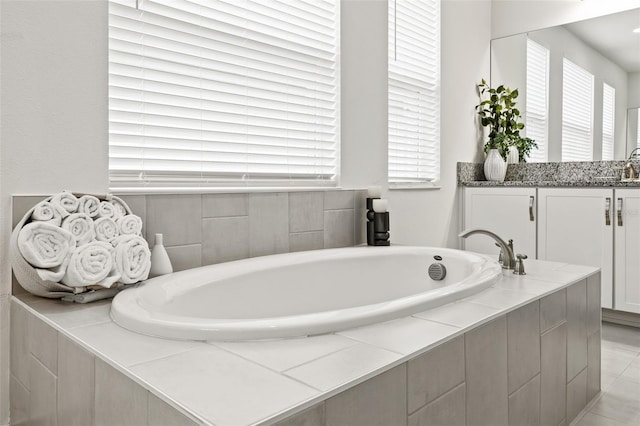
[537,100]
[608,120]
[577,113]
[414,90]
[215,92]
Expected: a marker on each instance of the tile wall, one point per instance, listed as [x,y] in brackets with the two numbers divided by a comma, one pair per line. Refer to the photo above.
[54,381]
[212,228]
[537,365]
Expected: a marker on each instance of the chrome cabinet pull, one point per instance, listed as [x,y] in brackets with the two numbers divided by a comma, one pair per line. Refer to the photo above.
[607,211]
[619,211]
[531,200]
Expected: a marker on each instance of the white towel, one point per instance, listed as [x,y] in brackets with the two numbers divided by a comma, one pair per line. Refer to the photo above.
[89,205]
[130,225]
[91,264]
[132,258]
[119,209]
[81,226]
[46,247]
[106,229]
[47,212]
[66,202]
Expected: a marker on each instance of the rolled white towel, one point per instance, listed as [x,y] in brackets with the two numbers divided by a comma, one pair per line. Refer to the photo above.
[92,264]
[47,212]
[89,205]
[81,226]
[107,209]
[119,210]
[132,258]
[129,225]
[106,229]
[46,247]
[66,202]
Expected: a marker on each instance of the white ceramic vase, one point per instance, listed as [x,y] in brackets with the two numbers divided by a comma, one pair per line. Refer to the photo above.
[513,157]
[160,262]
[495,168]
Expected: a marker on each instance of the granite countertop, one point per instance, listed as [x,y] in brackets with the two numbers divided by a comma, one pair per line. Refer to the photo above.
[577,174]
[553,184]
[283,377]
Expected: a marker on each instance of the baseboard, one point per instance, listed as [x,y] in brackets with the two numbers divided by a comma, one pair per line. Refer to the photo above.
[620,317]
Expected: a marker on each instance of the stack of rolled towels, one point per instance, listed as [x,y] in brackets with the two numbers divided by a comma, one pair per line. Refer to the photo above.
[85,242]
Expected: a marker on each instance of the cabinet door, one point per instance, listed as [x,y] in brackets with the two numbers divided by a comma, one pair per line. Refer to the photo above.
[573,228]
[627,250]
[508,212]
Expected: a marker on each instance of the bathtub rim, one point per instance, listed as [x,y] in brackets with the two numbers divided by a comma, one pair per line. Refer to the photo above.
[128,312]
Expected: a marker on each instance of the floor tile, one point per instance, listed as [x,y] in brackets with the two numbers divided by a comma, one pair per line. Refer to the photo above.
[340,367]
[632,372]
[621,402]
[404,336]
[591,419]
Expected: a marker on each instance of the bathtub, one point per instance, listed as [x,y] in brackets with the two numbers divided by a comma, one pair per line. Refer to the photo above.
[299,294]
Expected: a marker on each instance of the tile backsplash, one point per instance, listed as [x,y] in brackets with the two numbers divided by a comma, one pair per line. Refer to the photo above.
[203,229]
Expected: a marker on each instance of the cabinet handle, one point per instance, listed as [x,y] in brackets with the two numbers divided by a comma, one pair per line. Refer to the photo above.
[607,211]
[619,211]
[531,200]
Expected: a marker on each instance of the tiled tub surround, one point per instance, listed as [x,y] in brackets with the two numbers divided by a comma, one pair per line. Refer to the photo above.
[212,228]
[578,174]
[526,351]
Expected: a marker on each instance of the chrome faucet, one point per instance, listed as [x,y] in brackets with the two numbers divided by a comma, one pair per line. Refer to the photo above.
[508,259]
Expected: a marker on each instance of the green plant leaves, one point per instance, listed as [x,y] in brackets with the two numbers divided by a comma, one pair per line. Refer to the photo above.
[500,115]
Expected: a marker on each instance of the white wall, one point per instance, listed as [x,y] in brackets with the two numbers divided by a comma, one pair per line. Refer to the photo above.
[633,100]
[509,17]
[53,106]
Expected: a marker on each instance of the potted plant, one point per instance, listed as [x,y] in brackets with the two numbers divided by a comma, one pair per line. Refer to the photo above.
[499,113]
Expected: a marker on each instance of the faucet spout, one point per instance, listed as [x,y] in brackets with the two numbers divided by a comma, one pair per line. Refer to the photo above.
[508,260]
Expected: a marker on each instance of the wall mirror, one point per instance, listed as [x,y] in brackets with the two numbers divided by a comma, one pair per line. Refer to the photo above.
[579,86]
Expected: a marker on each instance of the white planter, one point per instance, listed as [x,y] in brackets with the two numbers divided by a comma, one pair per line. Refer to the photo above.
[513,157]
[495,168]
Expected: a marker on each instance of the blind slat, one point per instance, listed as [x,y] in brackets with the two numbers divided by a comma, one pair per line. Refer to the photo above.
[577,113]
[414,91]
[537,100]
[204,92]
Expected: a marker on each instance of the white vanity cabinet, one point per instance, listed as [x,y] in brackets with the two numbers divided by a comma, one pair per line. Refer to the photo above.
[575,225]
[509,212]
[627,250]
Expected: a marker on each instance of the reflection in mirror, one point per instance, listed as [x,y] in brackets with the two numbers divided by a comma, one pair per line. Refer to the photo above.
[633,131]
[577,82]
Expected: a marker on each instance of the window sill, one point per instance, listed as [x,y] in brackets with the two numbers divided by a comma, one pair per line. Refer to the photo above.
[412,185]
[225,190]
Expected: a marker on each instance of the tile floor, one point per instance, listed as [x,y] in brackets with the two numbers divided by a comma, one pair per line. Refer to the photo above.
[619,402]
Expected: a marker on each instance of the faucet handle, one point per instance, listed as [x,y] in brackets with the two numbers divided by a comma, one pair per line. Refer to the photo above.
[519,268]
[501,255]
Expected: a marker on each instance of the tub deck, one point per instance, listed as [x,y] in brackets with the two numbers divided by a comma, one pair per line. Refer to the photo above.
[251,383]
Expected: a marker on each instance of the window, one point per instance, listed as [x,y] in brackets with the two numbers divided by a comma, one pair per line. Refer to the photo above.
[537,100]
[577,113]
[608,120]
[229,92]
[414,91]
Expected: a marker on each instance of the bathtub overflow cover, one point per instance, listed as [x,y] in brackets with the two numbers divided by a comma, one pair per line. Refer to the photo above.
[437,271]
[437,257]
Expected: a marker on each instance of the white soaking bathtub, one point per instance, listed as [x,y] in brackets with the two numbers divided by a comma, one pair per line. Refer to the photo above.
[299,294]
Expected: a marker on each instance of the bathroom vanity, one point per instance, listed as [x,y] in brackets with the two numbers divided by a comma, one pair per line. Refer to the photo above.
[527,349]
[566,213]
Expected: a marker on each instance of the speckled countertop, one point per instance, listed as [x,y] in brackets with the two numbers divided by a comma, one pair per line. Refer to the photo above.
[582,174]
[553,184]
